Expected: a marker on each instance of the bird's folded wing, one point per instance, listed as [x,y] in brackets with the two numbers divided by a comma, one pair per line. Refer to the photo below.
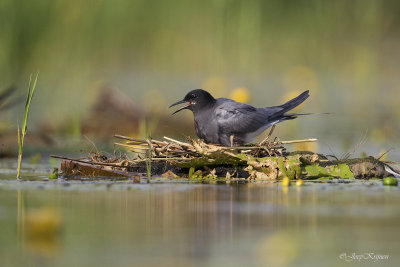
[239,118]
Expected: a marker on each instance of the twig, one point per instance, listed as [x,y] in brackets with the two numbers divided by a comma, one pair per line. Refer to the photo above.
[160,159]
[91,142]
[360,143]
[268,136]
[384,153]
[129,138]
[131,147]
[91,162]
[178,142]
[299,141]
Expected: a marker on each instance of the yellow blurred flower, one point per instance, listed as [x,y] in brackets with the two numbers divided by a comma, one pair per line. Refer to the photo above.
[216,85]
[240,94]
[300,78]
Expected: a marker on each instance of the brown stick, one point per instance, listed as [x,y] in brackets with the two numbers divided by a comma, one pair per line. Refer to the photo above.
[178,142]
[131,146]
[129,138]
[159,159]
[299,141]
[89,162]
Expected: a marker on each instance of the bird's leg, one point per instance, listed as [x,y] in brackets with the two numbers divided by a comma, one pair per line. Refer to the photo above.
[231,139]
[268,136]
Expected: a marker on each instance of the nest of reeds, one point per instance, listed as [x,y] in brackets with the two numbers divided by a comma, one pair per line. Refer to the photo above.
[196,152]
[157,156]
[267,160]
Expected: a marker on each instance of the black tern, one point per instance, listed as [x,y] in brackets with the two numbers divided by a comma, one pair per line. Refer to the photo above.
[225,121]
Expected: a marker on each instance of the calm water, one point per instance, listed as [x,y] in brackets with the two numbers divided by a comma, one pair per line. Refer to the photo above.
[107,223]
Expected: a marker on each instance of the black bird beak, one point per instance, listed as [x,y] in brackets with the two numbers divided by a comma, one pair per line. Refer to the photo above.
[180,102]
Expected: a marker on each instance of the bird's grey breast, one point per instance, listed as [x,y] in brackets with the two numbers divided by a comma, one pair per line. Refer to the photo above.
[206,126]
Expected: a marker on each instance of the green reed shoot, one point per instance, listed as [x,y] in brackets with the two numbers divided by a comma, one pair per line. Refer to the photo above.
[23,130]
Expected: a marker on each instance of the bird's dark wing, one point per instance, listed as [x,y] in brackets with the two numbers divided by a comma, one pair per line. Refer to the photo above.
[238,118]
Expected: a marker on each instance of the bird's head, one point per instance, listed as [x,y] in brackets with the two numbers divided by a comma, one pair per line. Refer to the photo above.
[195,100]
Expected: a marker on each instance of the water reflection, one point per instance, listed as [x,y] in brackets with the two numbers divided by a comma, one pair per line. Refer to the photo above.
[185,225]
[20,219]
[38,230]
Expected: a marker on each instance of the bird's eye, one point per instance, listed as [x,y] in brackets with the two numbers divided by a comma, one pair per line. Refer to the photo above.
[194,96]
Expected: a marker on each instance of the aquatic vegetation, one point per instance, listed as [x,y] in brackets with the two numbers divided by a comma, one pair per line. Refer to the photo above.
[24,128]
[390,181]
[54,174]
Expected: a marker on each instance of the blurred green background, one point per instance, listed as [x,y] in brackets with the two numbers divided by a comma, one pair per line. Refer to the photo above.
[345,52]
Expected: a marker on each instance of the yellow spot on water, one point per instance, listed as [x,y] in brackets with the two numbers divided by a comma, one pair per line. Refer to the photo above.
[278,249]
[299,182]
[43,222]
[285,181]
[240,94]
[43,232]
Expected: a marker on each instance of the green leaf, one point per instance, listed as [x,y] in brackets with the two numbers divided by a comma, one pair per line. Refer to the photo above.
[345,172]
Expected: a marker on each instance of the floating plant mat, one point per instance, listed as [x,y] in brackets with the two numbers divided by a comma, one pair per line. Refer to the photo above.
[195,159]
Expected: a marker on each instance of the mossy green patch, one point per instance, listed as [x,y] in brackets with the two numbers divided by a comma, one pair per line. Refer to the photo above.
[213,159]
[340,171]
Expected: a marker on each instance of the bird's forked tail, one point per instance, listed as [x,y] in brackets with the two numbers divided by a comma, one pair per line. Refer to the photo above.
[291,104]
